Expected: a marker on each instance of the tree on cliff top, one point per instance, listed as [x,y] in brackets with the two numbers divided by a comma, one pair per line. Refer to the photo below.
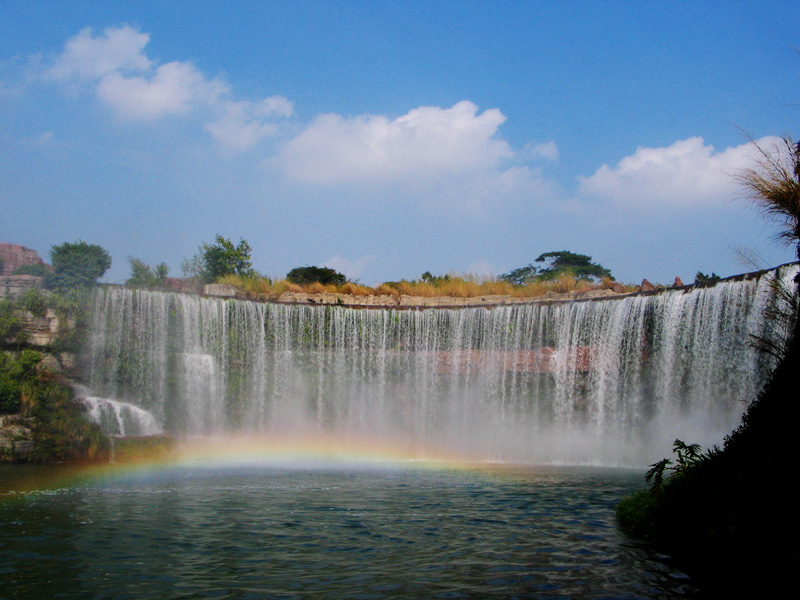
[223,258]
[76,264]
[143,275]
[558,263]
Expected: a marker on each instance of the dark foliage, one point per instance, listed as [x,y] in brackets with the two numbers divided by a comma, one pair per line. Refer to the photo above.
[323,275]
[37,269]
[702,278]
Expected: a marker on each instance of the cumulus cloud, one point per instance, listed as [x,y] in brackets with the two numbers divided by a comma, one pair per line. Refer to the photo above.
[137,89]
[689,172]
[425,143]
[87,56]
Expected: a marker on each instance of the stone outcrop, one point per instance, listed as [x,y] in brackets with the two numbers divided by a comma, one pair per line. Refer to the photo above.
[13,256]
[12,286]
[647,286]
[43,330]
[16,438]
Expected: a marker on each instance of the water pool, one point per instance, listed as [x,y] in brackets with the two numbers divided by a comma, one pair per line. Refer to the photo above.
[362,531]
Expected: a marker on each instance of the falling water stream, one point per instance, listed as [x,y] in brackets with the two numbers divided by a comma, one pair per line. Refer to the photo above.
[584,382]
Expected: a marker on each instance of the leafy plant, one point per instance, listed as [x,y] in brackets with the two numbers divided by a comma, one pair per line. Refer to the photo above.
[37,269]
[223,258]
[34,302]
[76,264]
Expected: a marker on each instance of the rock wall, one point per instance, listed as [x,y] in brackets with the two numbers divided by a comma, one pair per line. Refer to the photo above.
[14,256]
[405,301]
[12,286]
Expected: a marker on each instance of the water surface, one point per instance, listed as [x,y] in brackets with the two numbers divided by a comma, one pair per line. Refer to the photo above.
[362,531]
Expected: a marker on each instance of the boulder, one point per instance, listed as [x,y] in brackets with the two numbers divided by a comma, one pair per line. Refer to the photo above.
[678,282]
[647,286]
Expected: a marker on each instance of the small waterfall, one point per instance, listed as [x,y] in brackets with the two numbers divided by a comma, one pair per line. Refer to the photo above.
[120,418]
[604,381]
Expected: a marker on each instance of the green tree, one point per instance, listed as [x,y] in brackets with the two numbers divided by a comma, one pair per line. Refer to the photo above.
[521,276]
[76,264]
[555,264]
[579,266]
[323,275]
[223,258]
[143,275]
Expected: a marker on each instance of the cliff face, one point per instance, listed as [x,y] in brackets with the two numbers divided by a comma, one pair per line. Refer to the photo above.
[14,256]
[14,286]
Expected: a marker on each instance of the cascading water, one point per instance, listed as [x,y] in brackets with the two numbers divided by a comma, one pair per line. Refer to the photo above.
[603,381]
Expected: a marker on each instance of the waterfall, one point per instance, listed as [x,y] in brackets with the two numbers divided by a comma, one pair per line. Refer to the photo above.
[609,381]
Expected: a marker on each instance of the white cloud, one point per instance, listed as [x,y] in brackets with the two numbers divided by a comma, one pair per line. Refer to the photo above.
[86,56]
[423,144]
[173,88]
[353,269]
[244,123]
[136,88]
[689,172]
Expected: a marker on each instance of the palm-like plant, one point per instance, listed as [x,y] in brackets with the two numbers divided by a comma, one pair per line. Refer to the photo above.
[774,186]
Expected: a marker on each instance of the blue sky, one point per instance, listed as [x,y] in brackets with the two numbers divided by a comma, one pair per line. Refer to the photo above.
[386,139]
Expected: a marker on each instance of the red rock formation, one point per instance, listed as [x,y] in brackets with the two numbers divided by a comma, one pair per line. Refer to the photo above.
[13,256]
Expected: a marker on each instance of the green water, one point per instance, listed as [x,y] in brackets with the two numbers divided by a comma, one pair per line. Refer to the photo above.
[361,531]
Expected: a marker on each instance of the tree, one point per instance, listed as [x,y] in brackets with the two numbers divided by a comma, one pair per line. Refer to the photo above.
[323,275]
[579,266]
[76,264]
[703,278]
[143,275]
[521,276]
[223,258]
[559,263]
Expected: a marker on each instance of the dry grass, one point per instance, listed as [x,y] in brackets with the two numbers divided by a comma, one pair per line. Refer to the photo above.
[454,285]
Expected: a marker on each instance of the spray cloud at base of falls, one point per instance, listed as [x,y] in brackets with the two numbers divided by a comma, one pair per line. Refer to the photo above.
[603,382]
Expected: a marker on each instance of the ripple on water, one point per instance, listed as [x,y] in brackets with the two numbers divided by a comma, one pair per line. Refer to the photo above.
[266,532]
